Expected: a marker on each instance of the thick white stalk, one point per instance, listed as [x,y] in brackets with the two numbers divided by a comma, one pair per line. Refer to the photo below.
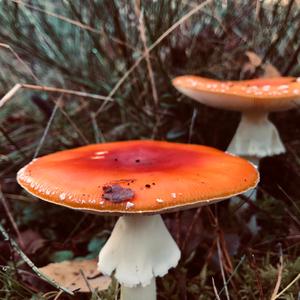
[139,293]
[256,136]
[139,249]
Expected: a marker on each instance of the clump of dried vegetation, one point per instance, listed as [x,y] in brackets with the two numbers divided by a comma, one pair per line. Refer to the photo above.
[128,51]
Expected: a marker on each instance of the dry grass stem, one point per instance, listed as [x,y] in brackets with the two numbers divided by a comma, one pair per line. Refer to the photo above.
[142,31]
[279,274]
[11,218]
[70,21]
[42,140]
[157,42]
[288,286]
[19,59]
[30,263]
[215,289]
[49,89]
[220,256]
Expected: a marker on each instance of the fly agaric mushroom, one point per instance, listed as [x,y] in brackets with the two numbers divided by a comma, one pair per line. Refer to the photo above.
[256,136]
[138,180]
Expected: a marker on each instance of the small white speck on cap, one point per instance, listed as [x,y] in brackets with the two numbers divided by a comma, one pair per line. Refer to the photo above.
[62,196]
[283,87]
[173,195]
[129,205]
[296,91]
[159,200]
[298,79]
[101,152]
[266,87]
[97,157]
[101,202]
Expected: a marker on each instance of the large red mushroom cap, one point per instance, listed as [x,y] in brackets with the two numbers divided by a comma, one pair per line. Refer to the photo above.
[137,177]
[263,94]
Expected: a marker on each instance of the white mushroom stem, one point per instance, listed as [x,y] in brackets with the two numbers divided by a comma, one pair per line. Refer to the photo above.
[256,136]
[139,293]
[139,249]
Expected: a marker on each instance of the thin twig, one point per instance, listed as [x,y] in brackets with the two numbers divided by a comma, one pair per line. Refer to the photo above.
[10,94]
[233,273]
[58,295]
[215,289]
[257,277]
[157,42]
[279,275]
[42,140]
[85,280]
[50,89]
[288,286]
[99,137]
[289,198]
[6,46]
[12,142]
[31,264]
[222,269]
[140,16]
[11,219]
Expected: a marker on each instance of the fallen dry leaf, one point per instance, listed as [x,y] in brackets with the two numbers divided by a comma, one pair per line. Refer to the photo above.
[68,275]
[255,61]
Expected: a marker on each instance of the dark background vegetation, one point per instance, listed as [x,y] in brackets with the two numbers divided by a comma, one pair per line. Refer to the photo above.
[89,46]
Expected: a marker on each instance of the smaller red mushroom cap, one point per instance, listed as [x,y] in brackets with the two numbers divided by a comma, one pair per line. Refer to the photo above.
[263,94]
[137,177]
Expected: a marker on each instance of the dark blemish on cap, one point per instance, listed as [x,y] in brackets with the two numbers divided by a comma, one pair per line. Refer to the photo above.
[137,160]
[148,186]
[153,183]
[116,193]
[115,159]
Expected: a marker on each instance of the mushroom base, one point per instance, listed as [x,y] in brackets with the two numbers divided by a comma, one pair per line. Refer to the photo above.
[139,249]
[256,136]
[139,292]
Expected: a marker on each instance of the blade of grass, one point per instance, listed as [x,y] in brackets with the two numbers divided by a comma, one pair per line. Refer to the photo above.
[157,42]
[42,140]
[49,89]
[19,59]
[68,20]
[140,16]
[279,274]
